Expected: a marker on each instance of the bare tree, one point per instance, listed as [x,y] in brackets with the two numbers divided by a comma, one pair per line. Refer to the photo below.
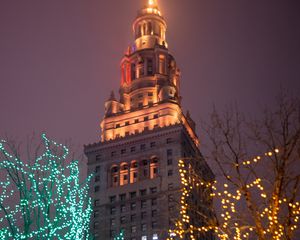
[259,161]
[257,166]
[41,197]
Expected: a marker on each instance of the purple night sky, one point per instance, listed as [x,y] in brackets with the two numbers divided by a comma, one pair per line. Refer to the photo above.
[59,59]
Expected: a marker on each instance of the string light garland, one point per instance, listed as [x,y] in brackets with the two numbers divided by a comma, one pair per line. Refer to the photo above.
[229,226]
[51,201]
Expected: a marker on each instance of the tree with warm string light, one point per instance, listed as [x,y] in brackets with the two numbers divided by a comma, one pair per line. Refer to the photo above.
[51,203]
[257,195]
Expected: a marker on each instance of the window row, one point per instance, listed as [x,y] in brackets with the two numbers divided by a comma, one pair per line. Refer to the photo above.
[132,149]
[132,218]
[146,118]
[132,195]
[143,204]
[126,173]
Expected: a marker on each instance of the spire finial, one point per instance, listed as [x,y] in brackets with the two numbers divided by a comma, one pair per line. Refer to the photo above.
[152,3]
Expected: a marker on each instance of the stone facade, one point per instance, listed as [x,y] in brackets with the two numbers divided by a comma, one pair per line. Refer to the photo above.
[144,135]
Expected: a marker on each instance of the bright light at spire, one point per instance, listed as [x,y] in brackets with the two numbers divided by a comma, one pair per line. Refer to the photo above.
[151,2]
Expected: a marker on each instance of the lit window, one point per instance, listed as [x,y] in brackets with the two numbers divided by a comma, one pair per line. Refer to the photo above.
[155,236]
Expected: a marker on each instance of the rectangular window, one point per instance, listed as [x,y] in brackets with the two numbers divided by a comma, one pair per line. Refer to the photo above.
[146,118]
[132,149]
[153,190]
[170,161]
[133,206]
[143,146]
[162,64]
[136,121]
[96,224]
[97,189]
[170,186]
[144,227]
[133,195]
[153,144]
[126,123]
[114,153]
[112,210]
[169,152]
[97,169]
[171,198]
[154,202]
[123,208]
[123,151]
[146,128]
[96,202]
[112,222]
[154,213]
[169,140]
[170,173]
[150,94]
[154,225]
[122,197]
[140,105]
[122,219]
[118,125]
[133,217]
[112,199]
[143,192]
[143,215]
[98,157]
[149,66]
[133,229]
[155,116]
[126,133]
[96,213]
[97,178]
[143,204]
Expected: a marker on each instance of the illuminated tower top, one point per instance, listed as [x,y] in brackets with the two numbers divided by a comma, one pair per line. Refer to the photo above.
[149,27]
[150,82]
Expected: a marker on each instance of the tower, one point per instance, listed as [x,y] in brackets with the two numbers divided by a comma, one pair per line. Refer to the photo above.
[144,134]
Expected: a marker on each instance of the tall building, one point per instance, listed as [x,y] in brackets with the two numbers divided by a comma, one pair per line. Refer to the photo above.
[144,134]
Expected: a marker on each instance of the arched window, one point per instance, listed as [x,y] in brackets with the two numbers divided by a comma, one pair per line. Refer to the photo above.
[114,173]
[124,174]
[154,167]
[134,172]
